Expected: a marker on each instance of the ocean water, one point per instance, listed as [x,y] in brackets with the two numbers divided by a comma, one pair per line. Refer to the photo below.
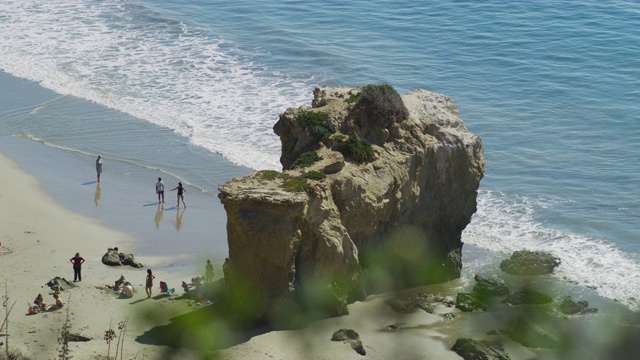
[176,86]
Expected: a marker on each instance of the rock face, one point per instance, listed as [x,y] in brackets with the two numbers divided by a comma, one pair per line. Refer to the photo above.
[397,216]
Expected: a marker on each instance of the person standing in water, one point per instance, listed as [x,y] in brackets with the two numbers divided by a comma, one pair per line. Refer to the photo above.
[99,163]
[160,190]
[181,192]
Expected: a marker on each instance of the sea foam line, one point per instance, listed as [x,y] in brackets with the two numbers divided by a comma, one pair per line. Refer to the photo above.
[126,57]
[505,223]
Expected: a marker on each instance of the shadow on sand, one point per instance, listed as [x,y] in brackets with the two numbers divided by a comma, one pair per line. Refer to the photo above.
[191,329]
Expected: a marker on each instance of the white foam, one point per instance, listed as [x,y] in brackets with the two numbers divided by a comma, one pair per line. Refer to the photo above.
[504,224]
[126,57]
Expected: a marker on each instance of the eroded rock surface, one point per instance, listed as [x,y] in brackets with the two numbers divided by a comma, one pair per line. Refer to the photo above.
[397,218]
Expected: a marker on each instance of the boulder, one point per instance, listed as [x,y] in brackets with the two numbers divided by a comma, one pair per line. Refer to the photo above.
[129,259]
[396,217]
[447,317]
[468,302]
[350,336]
[115,258]
[111,258]
[485,288]
[530,263]
[527,297]
[471,349]
[571,307]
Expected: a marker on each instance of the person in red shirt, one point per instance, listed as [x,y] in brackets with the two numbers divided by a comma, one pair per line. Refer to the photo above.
[77,266]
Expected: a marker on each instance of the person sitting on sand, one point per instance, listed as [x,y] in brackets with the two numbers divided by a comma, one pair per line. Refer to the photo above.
[58,305]
[117,283]
[127,290]
[185,287]
[39,303]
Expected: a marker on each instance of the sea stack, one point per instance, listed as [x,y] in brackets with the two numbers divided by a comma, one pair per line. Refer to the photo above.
[375,192]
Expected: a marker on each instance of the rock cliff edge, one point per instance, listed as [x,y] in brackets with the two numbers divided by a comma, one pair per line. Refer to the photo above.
[375,192]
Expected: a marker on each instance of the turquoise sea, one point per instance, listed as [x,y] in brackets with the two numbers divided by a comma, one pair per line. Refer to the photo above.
[190,90]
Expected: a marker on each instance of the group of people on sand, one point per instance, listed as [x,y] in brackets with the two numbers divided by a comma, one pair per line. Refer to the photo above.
[40,306]
[127,287]
[196,282]
[159,185]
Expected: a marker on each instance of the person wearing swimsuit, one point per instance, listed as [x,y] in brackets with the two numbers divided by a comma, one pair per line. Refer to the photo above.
[181,192]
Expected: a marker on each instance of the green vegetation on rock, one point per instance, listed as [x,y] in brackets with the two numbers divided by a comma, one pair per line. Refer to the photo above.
[353,98]
[306,159]
[383,103]
[358,150]
[310,119]
[296,184]
[313,121]
[314,175]
[269,175]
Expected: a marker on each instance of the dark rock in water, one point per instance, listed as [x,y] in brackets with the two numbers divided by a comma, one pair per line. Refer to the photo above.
[448,317]
[470,349]
[468,302]
[426,306]
[433,298]
[530,263]
[412,303]
[570,307]
[532,333]
[352,337]
[62,283]
[527,297]
[114,258]
[485,288]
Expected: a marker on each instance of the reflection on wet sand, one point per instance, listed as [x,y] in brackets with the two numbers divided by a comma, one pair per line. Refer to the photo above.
[96,197]
[159,214]
[179,218]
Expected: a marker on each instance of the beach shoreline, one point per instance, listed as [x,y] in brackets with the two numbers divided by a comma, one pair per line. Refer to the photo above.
[40,236]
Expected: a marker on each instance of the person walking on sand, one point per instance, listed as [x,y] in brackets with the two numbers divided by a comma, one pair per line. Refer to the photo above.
[99,163]
[149,283]
[77,267]
[160,190]
[181,192]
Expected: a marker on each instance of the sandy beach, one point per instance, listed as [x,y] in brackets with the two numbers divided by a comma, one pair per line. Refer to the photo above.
[40,236]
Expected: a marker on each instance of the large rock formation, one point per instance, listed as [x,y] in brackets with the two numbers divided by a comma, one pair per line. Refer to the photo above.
[396,216]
